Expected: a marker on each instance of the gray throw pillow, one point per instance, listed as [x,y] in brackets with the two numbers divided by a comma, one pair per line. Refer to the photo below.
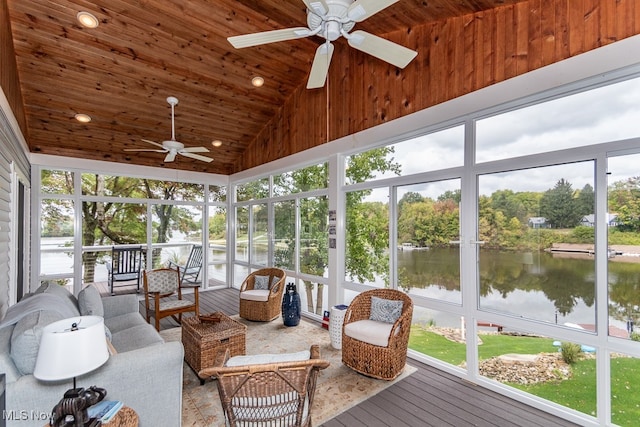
[384,310]
[261,282]
[25,339]
[90,302]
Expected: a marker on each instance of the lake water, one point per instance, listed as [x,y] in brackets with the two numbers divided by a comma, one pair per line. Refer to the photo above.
[540,286]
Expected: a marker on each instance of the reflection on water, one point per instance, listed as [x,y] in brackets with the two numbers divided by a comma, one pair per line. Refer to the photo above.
[532,285]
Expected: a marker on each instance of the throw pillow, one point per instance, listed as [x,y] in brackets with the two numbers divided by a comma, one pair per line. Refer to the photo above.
[25,339]
[384,310]
[261,282]
[90,302]
[274,280]
[69,299]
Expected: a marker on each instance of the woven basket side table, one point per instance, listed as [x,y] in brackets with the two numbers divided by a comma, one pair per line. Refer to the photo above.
[203,340]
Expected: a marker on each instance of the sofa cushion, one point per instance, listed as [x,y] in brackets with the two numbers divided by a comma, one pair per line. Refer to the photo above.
[123,322]
[68,299]
[25,339]
[90,302]
[135,337]
[6,364]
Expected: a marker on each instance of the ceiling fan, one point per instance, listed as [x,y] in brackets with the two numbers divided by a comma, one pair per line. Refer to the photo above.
[332,19]
[173,147]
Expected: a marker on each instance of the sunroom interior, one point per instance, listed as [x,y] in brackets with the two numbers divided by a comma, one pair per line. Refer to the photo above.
[439,203]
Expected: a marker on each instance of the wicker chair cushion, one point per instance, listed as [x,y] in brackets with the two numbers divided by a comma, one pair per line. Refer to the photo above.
[385,310]
[260,359]
[260,282]
[369,331]
[255,295]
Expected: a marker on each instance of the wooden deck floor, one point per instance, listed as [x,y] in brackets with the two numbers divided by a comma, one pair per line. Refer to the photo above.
[429,397]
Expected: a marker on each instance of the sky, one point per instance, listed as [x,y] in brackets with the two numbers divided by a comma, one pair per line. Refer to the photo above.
[600,115]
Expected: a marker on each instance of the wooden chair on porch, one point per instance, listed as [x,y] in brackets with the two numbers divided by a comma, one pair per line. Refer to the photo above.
[161,286]
[126,265]
[191,269]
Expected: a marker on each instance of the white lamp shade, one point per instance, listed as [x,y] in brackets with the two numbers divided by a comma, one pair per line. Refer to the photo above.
[66,352]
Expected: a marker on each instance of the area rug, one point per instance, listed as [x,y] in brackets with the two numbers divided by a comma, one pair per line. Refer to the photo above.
[338,388]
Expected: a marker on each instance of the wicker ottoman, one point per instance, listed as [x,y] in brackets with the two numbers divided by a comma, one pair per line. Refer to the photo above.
[202,340]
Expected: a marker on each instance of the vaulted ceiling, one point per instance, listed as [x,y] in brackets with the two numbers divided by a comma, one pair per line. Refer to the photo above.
[144,51]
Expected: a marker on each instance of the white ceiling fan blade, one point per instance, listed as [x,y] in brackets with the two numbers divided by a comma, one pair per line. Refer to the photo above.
[320,66]
[265,37]
[362,9]
[195,150]
[153,142]
[145,149]
[390,52]
[319,7]
[197,156]
[171,156]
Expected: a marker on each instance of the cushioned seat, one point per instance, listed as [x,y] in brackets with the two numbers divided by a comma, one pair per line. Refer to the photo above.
[375,333]
[261,294]
[267,389]
[370,331]
[160,288]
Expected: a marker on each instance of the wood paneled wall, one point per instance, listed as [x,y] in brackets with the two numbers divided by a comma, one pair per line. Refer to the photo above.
[9,81]
[455,57]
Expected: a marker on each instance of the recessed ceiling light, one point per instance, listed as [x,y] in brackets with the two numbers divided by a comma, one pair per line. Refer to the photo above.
[86,19]
[216,143]
[83,118]
[257,81]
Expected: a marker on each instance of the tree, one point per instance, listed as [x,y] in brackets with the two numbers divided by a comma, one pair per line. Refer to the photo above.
[624,199]
[108,221]
[558,206]
[367,223]
[586,201]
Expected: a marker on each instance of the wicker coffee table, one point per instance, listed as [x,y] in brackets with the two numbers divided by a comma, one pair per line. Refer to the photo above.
[202,340]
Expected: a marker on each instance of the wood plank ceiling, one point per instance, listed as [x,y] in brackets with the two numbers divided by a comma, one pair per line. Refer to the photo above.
[121,72]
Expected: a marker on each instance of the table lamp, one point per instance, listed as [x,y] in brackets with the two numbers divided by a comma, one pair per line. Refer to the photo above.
[69,348]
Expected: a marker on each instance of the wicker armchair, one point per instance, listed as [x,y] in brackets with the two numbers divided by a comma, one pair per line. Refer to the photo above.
[376,348]
[262,305]
[267,394]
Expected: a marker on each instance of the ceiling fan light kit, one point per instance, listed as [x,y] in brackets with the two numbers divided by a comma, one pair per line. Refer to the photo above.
[173,147]
[332,19]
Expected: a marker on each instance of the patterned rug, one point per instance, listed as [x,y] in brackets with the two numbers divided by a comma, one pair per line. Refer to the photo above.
[338,388]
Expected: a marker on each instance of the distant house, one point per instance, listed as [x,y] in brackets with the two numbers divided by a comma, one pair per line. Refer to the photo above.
[590,220]
[538,222]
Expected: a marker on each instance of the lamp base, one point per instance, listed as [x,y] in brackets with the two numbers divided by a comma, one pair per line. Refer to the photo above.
[71,411]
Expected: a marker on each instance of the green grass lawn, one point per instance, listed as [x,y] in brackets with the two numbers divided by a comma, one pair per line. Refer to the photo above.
[578,392]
